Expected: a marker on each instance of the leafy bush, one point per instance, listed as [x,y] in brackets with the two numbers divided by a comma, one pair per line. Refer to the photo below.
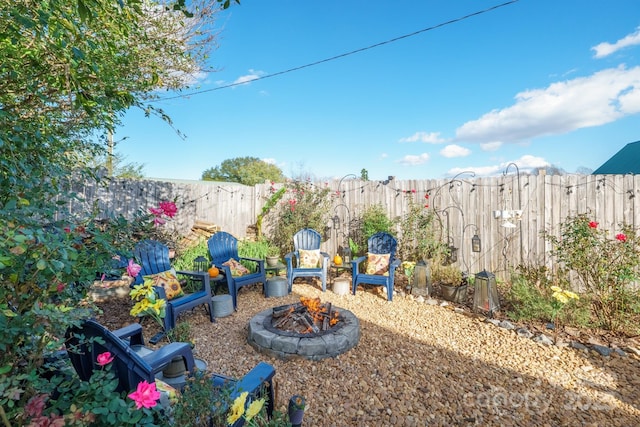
[303,206]
[373,220]
[446,274]
[605,269]
[530,298]
[419,233]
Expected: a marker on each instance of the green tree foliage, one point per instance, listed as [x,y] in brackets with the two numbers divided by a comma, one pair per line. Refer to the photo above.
[244,170]
[68,69]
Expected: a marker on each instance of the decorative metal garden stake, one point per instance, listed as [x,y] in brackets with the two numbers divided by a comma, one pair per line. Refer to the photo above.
[200,263]
[421,285]
[485,296]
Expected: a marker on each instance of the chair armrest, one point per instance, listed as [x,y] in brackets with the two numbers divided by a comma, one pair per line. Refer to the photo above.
[253,380]
[289,260]
[131,333]
[355,264]
[159,358]
[325,259]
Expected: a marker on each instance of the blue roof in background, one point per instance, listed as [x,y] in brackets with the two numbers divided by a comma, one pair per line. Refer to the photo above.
[625,161]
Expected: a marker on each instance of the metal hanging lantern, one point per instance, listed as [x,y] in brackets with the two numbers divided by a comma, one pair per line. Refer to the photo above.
[485,296]
[476,243]
[421,285]
[200,263]
[453,255]
[346,255]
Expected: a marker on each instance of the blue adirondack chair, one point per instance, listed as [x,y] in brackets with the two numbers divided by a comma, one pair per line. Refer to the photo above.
[306,239]
[380,243]
[154,258]
[133,362]
[224,247]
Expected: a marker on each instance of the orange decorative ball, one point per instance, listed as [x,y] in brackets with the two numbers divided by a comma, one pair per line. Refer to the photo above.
[213,271]
[337,260]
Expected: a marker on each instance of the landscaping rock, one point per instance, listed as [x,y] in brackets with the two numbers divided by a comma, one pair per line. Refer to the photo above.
[421,364]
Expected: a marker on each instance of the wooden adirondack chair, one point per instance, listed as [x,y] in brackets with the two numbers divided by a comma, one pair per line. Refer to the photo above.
[223,247]
[133,362]
[154,258]
[379,244]
[306,239]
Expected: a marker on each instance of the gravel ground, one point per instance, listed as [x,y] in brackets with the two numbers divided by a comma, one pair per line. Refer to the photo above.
[422,365]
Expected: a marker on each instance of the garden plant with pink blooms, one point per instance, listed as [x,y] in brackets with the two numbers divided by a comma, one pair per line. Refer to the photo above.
[46,272]
[95,402]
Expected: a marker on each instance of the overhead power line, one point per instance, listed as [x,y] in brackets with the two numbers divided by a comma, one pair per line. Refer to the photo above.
[342,55]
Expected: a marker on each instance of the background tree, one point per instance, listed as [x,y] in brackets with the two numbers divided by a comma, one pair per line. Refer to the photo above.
[244,170]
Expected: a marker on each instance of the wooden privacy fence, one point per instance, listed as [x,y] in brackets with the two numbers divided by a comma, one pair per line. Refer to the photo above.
[508,212]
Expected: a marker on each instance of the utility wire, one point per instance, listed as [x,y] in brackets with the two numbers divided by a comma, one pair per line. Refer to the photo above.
[342,55]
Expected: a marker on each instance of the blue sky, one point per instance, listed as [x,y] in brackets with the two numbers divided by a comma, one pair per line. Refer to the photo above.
[535,82]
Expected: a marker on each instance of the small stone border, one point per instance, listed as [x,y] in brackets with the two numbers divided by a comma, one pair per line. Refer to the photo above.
[312,348]
[540,338]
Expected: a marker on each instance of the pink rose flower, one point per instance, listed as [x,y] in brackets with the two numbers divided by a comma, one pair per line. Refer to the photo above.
[60,287]
[621,237]
[145,396]
[104,358]
[169,209]
[156,211]
[133,269]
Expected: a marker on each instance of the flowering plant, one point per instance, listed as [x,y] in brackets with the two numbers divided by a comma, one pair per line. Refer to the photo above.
[560,298]
[94,402]
[147,303]
[408,268]
[164,209]
[604,267]
[204,402]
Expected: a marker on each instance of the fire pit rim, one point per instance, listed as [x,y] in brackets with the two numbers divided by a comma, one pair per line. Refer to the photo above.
[268,325]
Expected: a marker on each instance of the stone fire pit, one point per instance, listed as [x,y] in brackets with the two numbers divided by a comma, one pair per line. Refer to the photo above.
[267,339]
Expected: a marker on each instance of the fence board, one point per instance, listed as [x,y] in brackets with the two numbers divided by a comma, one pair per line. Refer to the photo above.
[466,202]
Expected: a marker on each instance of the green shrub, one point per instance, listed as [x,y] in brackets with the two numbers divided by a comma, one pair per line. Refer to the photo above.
[420,234]
[530,298]
[373,220]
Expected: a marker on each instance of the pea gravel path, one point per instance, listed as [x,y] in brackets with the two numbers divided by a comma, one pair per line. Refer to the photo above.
[423,365]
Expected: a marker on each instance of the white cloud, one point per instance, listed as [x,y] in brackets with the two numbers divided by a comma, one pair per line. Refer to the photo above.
[601,98]
[413,160]
[271,161]
[454,151]
[490,146]
[384,155]
[253,74]
[525,163]
[605,49]
[430,138]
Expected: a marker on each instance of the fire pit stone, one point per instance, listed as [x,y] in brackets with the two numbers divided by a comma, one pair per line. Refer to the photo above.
[287,345]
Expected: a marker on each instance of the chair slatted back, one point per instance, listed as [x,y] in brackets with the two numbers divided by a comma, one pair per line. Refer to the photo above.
[222,247]
[153,257]
[383,243]
[307,238]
